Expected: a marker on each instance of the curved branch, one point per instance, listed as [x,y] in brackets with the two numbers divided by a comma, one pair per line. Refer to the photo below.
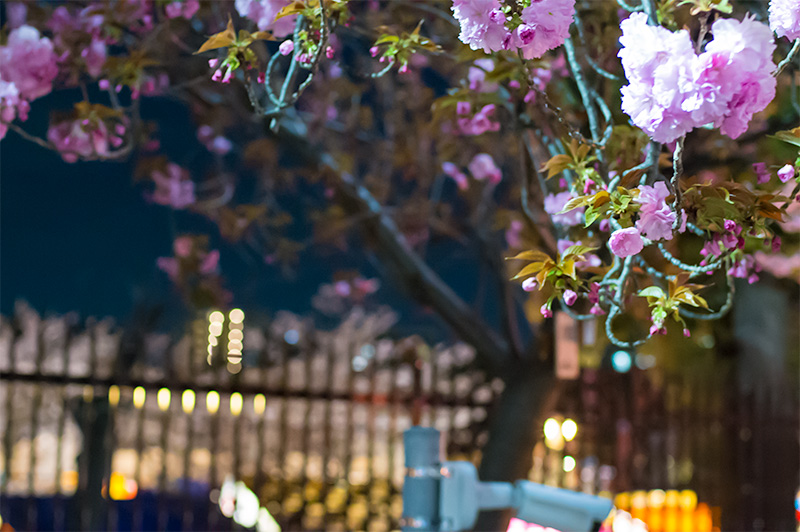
[417,277]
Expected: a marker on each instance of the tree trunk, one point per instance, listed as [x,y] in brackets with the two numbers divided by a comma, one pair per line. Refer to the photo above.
[515,426]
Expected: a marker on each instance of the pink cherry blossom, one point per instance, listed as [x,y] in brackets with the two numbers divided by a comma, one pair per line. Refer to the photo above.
[784,18]
[546,312]
[742,65]
[656,218]
[76,139]
[546,26]
[210,262]
[570,297]
[786,173]
[514,234]
[458,176]
[182,246]
[657,64]
[477,76]
[480,123]
[529,284]
[762,172]
[672,90]
[625,242]
[482,24]
[263,13]
[483,167]
[185,9]
[170,266]
[554,204]
[173,188]
[286,47]
[28,61]
[94,56]
[11,106]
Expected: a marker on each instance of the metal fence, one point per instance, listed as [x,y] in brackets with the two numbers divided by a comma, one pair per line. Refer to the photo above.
[109,430]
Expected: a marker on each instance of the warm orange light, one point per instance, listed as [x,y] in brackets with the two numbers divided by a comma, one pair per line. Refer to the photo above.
[702,518]
[121,488]
[671,520]
[623,501]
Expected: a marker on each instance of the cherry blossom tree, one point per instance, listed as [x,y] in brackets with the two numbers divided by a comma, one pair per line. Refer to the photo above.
[623,156]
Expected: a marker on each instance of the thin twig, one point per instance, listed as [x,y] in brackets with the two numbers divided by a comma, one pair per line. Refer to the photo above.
[788,59]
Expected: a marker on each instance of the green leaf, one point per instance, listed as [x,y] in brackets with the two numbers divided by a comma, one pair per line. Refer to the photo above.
[652,291]
[530,255]
[529,270]
[577,250]
[383,39]
[222,39]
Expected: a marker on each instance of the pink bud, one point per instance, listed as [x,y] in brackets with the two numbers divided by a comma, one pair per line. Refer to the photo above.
[103,84]
[529,284]
[786,173]
[329,52]
[118,88]
[525,33]
[116,142]
[373,51]
[597,310]
[546,312]
[286,47]
[752,279]
[217,76]
[687,333]
[570,297]
[403,69]
[514,84]
[228,75]
[212,63]
[497,16]
[762,172]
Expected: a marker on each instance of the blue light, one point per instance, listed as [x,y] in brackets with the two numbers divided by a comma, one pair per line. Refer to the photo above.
[291,336]
[621,361]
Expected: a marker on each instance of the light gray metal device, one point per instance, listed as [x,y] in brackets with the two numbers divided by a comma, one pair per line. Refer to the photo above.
[448,496]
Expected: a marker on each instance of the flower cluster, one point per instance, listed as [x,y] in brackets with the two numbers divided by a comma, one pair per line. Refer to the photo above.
[655,222]
[784,18]
[476,124]
[174,187]
[27,70]
[185,9]
[82,138]
[554,204]
[482,167]
[539,27]
[263,13]
[672,90]
[11,106]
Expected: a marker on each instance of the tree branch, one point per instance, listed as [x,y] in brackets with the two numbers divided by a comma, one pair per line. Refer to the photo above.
[418,278]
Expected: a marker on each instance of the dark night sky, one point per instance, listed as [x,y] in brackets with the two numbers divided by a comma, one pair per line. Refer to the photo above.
[81,237]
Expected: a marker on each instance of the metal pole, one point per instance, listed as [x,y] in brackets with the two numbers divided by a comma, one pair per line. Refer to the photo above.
[423,474]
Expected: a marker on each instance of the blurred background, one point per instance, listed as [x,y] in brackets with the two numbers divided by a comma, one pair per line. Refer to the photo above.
[122,407]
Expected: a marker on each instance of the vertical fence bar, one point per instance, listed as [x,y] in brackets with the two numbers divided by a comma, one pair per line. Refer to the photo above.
[36,404]
[8,436]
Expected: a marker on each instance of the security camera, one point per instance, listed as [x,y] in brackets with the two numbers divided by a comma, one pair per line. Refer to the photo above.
[448,495]
[561,509]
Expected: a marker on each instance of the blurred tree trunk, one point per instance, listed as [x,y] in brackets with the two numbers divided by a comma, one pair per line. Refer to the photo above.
[516,424]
